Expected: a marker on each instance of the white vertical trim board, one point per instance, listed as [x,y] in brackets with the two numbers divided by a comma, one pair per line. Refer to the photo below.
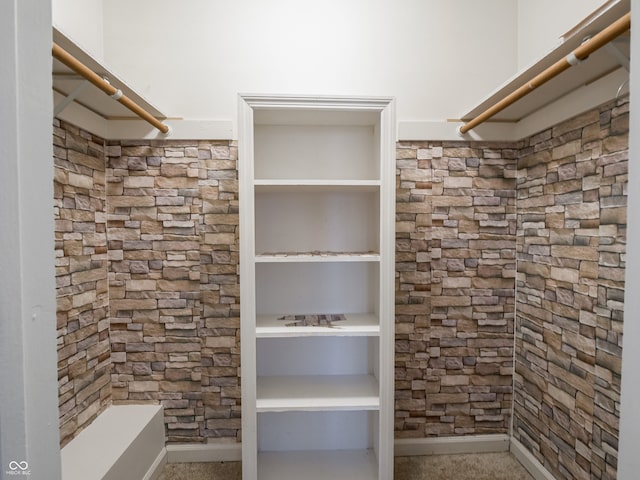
[407,447]
[629,436]
[29,434]
[248,355]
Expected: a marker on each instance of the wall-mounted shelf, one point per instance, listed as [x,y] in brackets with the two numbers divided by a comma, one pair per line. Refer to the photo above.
[597,79]
[65,82]
[93,110]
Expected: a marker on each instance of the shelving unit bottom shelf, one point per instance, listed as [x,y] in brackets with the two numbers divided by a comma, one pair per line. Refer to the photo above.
[318,465]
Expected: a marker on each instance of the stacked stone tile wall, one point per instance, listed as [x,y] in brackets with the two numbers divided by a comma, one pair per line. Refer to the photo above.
[455,256]
[572,182]
[161,261]
[413,285]
[84,357]
[173,230]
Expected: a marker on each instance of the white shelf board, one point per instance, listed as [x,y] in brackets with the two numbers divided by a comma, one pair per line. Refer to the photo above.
[597,65]
[267,185]
[318,465]
[316,257]
[317,393]
[65,81]
[331,116]
[355,325]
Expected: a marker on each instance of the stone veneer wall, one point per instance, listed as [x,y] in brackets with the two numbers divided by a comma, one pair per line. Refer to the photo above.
[84,357]
[172,225]
[572,182]
[174,285]
[455,269]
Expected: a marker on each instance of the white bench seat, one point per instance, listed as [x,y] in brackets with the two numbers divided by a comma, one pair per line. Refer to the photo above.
[125,442]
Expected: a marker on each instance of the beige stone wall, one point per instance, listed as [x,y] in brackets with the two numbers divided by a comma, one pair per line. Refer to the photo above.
[84,357]
[167,277]
[455,254]
[173,279]
[572,182]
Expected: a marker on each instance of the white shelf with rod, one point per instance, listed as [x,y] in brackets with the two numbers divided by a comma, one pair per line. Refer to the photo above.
[317,207]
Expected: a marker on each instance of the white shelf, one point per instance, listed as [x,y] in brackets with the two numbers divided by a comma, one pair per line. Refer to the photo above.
[316,257]
[599,64]
[317,218]
[305,184]
[65,81]
[323,152]
[365,325]
[317,393]
[317,287]
[318,465]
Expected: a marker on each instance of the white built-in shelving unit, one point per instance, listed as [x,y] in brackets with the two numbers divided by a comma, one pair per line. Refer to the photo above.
[317,198]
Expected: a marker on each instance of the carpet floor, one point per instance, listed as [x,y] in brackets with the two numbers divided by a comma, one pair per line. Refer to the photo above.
[485,466]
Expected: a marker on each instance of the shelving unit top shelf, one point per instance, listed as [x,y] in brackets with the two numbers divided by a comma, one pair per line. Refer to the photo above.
[598,65]
[303,185]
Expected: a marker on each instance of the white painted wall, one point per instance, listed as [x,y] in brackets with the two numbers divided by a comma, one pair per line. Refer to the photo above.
[29,392]
[191,58]
[629,460]
[82,21]
[541,23]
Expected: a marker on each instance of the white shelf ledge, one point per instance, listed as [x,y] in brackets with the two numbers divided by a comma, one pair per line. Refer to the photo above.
[65,81]
[318,465]
[317,393]
[289,185]
[597,65]
[316,257]
[355,325]
[595,80]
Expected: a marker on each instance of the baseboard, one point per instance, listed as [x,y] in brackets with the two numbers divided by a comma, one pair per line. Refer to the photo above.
[204,452]
[529,462]
[232,452]
[156,467]
[405,447]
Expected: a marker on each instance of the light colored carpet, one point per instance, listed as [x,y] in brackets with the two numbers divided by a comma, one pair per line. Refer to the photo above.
[485,466]
[202,471]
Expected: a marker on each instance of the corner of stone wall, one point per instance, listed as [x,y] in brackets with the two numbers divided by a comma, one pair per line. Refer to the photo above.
[84,355]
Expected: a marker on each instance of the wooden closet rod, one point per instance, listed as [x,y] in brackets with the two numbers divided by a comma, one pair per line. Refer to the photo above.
[115,93]
[614,30]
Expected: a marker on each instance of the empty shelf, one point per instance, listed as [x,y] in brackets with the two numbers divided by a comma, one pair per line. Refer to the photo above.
[355,325]
[317,393]
[318,465]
